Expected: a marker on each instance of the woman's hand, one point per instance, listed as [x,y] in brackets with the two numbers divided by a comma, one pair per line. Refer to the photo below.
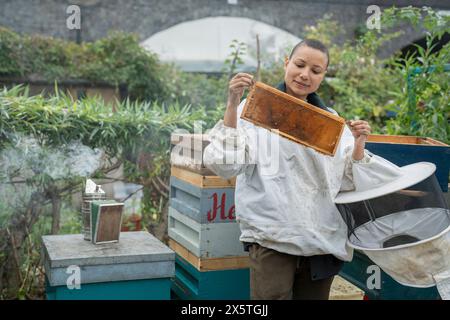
[236,88]
[360,130]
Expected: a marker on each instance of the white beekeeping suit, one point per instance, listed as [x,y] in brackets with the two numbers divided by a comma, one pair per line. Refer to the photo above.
[284,190]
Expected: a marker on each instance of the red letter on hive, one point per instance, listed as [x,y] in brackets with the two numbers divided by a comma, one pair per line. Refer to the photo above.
[231,213]
[213,213]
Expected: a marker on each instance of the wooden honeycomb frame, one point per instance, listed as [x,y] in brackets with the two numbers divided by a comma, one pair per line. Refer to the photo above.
[293,118]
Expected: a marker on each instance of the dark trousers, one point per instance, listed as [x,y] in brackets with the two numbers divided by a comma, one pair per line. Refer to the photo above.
[280,276]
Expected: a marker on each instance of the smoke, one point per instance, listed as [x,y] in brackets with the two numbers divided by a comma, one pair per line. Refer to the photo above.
[27,159]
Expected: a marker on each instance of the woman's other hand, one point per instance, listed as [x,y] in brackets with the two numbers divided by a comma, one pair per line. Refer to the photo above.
[360,130]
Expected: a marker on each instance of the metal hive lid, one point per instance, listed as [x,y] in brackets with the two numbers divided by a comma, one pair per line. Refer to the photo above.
[133,247]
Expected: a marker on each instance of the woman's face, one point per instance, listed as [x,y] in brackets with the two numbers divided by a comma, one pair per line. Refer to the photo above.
[304,71]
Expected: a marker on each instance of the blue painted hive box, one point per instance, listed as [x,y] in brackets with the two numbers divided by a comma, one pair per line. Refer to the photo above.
[404,150]
[209,278]
[202,214]
[192,284]
[138,267]
[214,240]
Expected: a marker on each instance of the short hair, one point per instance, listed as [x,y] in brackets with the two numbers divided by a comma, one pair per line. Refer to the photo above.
[312,43]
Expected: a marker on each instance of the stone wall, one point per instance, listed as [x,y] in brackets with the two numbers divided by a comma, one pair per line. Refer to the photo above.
[147,17]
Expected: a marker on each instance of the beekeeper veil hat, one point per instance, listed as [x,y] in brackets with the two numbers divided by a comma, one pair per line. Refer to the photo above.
[399,218]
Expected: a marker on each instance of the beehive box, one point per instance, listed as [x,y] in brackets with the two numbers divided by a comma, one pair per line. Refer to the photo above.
[293,118]
[187,152]
[138,267]
[212,240]
[191,284]
[106,221]
[404,150]
[203,205]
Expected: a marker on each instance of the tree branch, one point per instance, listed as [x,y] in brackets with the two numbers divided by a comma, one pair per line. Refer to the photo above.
[165,186]
[15,182]
[164,194]
[131,194]
[15,256]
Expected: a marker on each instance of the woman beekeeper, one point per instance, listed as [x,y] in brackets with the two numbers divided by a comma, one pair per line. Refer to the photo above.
[295,236]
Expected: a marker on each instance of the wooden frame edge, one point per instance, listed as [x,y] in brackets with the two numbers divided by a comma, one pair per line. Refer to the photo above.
[210,264]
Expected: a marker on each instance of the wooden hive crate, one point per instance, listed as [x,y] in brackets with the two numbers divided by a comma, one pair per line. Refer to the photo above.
[204,205]
[404,150]
[293,118]
[212,240]
[192,284]
[139,267]
[187,152]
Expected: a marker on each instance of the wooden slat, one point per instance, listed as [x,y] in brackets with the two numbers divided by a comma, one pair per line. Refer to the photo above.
[209,264]
[184,253]
[293,118]
[202,181]
[399,139]
[392,139]
[195,168]
[433,142]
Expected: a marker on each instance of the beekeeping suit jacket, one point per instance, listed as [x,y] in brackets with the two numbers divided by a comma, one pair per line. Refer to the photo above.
[284,191]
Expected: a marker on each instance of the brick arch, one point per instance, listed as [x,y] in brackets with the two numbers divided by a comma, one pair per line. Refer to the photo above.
[146,25]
